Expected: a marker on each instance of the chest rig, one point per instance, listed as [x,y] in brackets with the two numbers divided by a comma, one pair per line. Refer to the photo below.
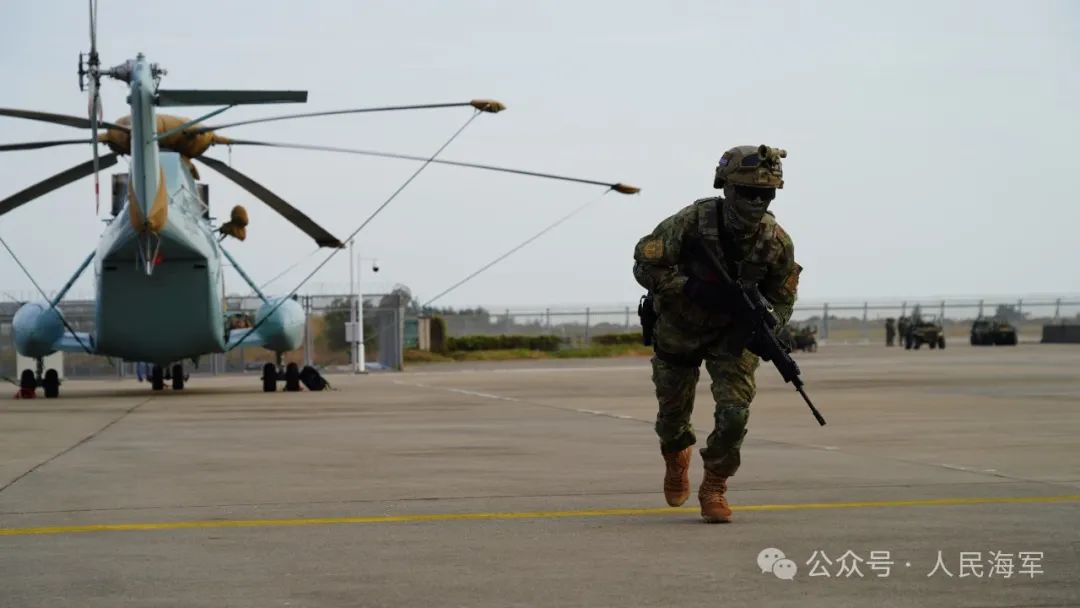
[741,260]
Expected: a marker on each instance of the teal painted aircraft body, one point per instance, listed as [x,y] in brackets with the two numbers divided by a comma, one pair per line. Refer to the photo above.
[158,264]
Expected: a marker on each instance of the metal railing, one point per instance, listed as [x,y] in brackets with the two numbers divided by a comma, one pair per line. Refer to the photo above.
[837,321]
[844,320]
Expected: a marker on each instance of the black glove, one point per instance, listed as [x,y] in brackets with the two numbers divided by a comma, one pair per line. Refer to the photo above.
[711,296]
[756,345]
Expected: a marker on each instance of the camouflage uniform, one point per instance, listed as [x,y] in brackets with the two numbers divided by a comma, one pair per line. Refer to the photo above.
[687,333]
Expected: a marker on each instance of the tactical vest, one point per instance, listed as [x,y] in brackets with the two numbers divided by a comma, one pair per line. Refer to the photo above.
[746,268]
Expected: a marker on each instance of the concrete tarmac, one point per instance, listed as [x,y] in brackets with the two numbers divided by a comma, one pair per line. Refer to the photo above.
[943,478]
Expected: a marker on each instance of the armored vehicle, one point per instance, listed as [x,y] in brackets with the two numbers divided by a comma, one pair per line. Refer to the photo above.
[924,330]
[987,332]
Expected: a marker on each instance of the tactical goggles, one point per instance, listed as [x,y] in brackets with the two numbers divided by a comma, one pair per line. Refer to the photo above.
[750,193]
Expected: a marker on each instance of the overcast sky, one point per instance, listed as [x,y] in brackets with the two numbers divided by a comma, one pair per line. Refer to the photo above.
[932,145]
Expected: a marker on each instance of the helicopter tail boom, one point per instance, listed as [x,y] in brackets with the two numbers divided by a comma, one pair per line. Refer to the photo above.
[148,199]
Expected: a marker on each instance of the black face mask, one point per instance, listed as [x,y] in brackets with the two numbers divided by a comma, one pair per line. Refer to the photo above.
[744,207]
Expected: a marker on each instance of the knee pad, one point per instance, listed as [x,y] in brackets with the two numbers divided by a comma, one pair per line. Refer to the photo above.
[731,423]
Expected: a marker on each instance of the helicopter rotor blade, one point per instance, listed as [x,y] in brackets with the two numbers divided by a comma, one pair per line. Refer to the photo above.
[617,186]
[57,181]
[60,119]
[94,102]
[34,145]
[484,105]
[296,217]
[95,108]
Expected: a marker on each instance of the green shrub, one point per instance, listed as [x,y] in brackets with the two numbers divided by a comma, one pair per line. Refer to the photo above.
[633,337]
[477,343]
[499,355]
[415,355]
[598,350]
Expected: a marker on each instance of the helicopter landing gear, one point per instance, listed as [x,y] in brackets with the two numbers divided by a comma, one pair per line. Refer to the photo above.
[48,380]
[27,385]
[50,384]
[269,378]
[292,378]
[178,377]
[157,378]
[173,374]
[290,373]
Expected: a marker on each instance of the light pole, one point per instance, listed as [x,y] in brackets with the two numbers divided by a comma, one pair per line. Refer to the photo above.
[356,310]
[353,355]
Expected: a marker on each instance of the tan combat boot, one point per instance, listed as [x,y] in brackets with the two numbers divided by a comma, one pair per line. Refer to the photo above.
[714,507]
[677,477]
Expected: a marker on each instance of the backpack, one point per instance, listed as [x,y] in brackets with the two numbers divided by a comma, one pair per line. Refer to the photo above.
[313,380]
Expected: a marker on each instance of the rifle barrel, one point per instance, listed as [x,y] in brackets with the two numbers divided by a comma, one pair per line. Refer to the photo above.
[813,410]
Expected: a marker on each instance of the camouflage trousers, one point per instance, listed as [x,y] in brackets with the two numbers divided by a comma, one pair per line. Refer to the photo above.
[733,389]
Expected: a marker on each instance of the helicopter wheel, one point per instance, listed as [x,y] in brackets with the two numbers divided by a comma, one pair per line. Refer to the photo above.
[292,378]
[269,378]
[27,384]
[157,378]
[178,377]
[51,384]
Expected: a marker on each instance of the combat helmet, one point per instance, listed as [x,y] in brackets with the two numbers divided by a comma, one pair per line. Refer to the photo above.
[753,166]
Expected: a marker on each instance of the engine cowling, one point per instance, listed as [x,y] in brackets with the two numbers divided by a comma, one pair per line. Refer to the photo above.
[37,329]
[283,329]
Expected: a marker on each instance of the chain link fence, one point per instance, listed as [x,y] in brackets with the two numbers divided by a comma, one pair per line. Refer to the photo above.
[324,345]
[836,321]
[389,328]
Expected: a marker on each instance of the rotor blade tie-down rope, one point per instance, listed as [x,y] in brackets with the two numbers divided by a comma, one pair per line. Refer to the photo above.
[44,297]
[289,269]
[520,246]
[390,199]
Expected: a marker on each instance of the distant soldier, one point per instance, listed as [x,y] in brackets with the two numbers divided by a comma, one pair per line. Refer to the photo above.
[902,326]
[696,322]
[890,331]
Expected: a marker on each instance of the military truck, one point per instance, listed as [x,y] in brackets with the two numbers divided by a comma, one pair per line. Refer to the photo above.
[802,339]
[924,330]
[988,332]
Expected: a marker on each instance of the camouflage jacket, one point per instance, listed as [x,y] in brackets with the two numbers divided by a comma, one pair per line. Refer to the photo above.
[664,260]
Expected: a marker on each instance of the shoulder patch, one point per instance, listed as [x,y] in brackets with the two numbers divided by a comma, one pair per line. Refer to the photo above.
[653,250]
[791,283]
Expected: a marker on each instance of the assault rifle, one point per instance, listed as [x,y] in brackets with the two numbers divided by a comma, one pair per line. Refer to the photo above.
[749,306]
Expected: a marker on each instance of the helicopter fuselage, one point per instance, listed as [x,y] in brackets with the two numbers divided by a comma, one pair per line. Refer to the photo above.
[160,295]
[158,266]
[164,303]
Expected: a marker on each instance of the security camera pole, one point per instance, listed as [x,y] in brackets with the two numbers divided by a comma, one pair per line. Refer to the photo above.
[359,356]
[351,330]
[356,319]
[356,312]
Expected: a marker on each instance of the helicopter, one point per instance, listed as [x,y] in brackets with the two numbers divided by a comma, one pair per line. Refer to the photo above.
[158,265]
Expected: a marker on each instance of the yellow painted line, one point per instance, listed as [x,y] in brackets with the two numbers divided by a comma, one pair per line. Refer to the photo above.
[511,515]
